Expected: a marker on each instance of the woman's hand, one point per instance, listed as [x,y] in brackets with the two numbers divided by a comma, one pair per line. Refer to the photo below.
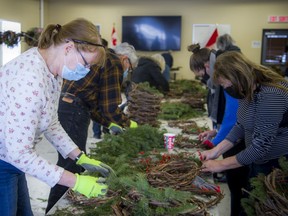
[220,165]
[207,135]
[209,155]
[212,166]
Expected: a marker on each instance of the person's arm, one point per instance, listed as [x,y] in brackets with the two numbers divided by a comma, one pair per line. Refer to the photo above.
[229,119]
[220,165]
[68,179]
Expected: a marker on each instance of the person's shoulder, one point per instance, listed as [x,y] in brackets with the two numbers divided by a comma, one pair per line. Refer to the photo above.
[112,58]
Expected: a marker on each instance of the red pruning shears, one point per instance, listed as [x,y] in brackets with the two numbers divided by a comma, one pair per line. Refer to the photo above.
[198,155]
[202,184]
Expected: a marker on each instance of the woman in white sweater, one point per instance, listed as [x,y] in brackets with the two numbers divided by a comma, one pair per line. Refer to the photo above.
[29,93]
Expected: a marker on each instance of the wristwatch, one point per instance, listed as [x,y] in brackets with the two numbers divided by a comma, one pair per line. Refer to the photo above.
[78,156]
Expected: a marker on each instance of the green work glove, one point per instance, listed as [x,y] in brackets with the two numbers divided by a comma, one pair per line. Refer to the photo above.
[90,186]
[115,129]
[133,124]
[92,165]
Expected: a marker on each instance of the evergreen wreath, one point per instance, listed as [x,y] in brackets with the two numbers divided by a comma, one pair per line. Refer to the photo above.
[10,38]
[31,37]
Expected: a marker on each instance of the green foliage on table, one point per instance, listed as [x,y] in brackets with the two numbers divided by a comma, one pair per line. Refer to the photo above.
[145,194]
[129,144]
[129,154]
[178,110]
[193,87]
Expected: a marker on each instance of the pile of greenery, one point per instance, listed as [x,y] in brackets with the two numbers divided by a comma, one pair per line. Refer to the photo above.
[269,195]
[129,154]
[134,141]
[181,88]
[178,110]
[190,98]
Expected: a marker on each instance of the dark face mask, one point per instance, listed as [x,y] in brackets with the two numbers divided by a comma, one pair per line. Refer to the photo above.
[234,93]
[205,78]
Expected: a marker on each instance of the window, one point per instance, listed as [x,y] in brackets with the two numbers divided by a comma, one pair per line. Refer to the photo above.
[8,53]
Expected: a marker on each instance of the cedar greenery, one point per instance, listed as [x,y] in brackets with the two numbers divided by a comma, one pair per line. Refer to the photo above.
[130,193]
[178,110]
[194,88]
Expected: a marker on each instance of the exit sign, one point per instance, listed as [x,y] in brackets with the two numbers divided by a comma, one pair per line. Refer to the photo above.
[278,19]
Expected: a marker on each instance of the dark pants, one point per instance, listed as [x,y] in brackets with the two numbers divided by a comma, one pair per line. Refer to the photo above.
[236,179]
[75,120]
[97,130]
[14,195]
[265,168]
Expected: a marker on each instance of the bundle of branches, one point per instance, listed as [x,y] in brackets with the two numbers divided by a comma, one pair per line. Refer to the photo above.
[187,88]
[144,104]
[197,103]
[179,173]
[186,142]
[188,126]
[178,110]
[270,193]
[131,192]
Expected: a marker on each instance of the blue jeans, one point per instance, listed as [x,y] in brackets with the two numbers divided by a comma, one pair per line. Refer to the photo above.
[96,129]
[14,195]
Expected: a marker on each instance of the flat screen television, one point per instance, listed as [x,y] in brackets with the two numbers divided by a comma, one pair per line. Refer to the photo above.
[274,47]
[152,33]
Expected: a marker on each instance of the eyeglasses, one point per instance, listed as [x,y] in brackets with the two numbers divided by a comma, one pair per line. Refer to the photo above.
[86,64]
[86,42]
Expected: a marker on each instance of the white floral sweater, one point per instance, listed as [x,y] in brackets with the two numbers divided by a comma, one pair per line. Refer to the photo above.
[29,95]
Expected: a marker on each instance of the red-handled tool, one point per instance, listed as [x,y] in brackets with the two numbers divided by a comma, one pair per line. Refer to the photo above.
[203,185]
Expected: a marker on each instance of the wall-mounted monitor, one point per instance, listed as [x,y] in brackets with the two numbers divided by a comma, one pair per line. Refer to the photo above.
[152,33]
[274,47]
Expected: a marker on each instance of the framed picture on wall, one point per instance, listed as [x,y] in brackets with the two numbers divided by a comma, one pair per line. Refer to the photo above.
[202,33]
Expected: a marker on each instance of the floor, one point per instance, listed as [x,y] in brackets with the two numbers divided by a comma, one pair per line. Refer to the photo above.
[39,191]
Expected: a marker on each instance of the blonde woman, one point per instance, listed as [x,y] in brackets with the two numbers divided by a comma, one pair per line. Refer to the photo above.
[30,87]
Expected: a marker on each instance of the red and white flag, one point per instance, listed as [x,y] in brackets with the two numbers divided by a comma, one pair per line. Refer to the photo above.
[213,38]
[114,37]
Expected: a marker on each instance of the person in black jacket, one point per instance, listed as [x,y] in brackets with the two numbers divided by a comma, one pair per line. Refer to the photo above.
[149,69]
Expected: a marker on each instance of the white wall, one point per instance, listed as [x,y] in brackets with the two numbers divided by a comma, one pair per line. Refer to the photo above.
[246,17]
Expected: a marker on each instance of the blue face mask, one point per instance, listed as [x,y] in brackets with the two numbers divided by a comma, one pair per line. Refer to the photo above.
[125,74]
[73,75]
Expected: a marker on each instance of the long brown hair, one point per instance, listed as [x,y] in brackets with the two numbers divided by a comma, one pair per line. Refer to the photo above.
[79,29]
[245,74]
